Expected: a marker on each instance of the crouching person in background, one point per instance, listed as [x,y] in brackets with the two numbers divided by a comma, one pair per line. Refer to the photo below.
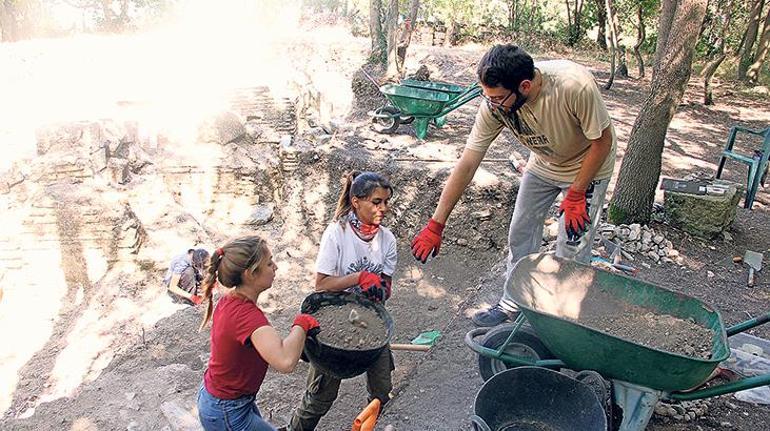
[184,275]
[243,344]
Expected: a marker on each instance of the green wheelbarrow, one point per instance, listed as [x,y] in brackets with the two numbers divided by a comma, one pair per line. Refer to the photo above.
[421,103]
[550,292]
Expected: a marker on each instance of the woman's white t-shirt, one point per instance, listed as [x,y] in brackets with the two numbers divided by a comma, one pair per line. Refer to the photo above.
[342,252]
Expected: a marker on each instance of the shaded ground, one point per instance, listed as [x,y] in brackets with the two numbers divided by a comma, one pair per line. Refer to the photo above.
[435,390]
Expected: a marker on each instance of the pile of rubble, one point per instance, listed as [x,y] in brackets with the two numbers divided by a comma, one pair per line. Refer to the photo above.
[640,239]
[684,411]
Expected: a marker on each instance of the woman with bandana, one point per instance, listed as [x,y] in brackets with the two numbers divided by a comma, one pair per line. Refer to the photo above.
[184,275]
[555,109]
[356,254]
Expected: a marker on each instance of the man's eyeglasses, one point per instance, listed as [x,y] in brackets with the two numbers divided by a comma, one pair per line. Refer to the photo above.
[497,101]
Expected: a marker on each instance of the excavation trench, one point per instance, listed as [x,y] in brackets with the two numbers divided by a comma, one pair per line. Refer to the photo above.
[92,221]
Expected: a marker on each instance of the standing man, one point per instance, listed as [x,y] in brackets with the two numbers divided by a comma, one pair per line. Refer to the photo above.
[554,108]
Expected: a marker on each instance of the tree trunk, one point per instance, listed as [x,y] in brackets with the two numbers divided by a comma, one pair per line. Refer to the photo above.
[609,5]
[110,19]
[752,75]
[379,44]
[708,72]
[406,39]
[601,18]
[391,25]
[635,190]
[513,6]
[574,21]
[9,26]
[450,36]
[641,35]
[125,20]
[720,55]
[751,36]
[666,19]
[622,70]
[620,49]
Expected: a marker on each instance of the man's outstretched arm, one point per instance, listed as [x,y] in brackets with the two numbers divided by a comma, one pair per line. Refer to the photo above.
[428,241]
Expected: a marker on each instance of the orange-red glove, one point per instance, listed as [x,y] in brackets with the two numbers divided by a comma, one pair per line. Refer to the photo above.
[372,285]
[308,323]
[427,241]
[196,299]
[575,210]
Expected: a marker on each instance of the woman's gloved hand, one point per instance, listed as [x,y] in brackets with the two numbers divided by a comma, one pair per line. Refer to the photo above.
[372,286]
[308,323]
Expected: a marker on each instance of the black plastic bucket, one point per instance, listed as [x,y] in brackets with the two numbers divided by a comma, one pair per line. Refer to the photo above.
[536,399]
[333,360]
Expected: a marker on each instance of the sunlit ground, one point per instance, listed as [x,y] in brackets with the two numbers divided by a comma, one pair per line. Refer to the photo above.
[166,80]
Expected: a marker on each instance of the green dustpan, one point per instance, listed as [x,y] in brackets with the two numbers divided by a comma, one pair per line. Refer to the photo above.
[427,338]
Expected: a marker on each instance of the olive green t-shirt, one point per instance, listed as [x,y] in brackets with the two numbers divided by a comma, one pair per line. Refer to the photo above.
[556,126]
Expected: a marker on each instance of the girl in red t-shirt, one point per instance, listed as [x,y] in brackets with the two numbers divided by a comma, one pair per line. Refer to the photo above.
[243,344]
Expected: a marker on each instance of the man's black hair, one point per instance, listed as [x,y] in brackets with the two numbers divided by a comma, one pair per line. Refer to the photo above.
[505,66]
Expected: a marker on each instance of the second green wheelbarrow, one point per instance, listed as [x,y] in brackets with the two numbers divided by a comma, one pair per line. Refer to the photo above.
[551,292]
[421,103]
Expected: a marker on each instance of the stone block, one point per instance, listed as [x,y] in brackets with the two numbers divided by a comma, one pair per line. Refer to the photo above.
[705,216]
[261,215]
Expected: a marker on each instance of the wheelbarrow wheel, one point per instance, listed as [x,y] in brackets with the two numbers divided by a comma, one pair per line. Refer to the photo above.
[389,124]
[525,343]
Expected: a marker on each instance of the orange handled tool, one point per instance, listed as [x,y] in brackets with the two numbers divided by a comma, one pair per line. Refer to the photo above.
[369,423]
[370,411]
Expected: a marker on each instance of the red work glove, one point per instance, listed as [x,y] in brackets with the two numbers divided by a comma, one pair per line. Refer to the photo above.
[575,210]
[372,286]
[308,323]
[196,299]
[427,241]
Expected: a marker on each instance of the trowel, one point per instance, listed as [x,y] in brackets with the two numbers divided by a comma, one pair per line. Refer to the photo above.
[754,260]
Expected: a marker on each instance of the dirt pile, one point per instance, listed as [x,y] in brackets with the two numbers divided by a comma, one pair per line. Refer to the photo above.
[366,94]
[647,327]
[351,327]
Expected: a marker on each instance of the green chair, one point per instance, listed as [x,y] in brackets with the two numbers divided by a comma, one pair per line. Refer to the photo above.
[756,162]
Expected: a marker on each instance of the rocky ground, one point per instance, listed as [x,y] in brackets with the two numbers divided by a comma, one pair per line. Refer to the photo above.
[112,352]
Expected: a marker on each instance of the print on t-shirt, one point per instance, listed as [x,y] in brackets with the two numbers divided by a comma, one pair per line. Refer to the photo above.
[525,133]
[364,264]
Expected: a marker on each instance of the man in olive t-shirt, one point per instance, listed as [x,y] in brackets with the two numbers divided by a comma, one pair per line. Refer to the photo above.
[554,108]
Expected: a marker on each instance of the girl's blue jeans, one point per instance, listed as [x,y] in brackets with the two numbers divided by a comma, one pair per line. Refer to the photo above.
[240,414]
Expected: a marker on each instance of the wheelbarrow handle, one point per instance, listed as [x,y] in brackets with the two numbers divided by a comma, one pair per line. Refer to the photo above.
[728,388]
[370,78]
[751,323]
[479,424]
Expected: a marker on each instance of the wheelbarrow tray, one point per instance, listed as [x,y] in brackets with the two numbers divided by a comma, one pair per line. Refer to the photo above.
[416,102]
[549,291]
[452,89]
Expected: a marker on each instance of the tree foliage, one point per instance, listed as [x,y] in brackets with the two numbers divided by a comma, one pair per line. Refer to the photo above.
[579,23]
